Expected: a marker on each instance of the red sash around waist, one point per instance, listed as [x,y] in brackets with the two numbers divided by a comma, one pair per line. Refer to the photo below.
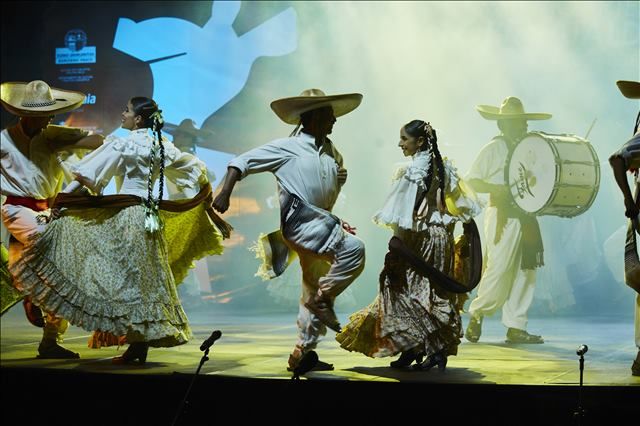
[32,203]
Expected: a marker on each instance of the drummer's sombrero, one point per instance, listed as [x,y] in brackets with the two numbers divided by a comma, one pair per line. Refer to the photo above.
[630,89]
[38,99]
[289,109]
[511,108]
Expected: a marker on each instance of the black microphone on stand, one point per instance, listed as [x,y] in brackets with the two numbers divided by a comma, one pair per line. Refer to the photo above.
[211,340]
[582,349]
[579,414]
[205,346]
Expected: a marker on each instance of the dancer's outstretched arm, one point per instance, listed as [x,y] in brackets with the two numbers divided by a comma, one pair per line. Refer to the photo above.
[221,202]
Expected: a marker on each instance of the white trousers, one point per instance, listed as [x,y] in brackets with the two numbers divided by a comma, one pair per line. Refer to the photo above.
[23,224]
[327,274]
[504,284]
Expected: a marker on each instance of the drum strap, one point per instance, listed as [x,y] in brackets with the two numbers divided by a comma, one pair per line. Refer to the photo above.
[530,236]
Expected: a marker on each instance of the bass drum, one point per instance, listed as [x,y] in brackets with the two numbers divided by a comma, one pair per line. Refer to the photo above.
[555,175]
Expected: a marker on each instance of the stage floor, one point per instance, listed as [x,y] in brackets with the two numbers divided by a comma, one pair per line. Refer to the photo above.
[257,346]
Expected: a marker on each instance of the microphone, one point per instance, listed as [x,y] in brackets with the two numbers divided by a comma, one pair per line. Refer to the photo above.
[306,364]
[582,349]
[211,340]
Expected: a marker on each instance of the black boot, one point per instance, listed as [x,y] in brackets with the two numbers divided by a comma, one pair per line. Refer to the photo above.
[438,359]
[405,360]
[136,353]
[50,349]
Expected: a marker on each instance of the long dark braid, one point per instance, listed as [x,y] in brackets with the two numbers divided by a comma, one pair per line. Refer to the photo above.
[416,129]
[152,118]
[157,128]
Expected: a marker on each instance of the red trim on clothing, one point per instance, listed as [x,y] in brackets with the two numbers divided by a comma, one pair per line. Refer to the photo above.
[32,203]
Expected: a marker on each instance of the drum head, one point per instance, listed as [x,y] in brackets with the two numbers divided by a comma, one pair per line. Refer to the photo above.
[532,173]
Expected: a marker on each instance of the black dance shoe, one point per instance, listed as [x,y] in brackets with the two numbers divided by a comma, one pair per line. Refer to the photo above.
[52,350]
[136,353]
[406,358]
[436,359]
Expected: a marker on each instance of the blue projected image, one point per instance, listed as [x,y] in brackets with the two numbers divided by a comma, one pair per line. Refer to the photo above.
[196,70]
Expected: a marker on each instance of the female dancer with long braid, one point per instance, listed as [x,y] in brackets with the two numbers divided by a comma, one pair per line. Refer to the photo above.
[104,265]
[411,315]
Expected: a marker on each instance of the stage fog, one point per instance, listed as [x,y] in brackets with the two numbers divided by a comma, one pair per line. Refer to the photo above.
[221,64]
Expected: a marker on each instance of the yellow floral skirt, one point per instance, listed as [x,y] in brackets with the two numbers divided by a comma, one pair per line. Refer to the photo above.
[99,269]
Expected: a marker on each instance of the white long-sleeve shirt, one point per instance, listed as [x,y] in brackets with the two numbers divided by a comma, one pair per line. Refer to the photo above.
[41,175]
[299,167]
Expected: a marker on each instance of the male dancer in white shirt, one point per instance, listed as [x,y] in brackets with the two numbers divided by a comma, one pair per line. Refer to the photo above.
[309,172]
[31,174]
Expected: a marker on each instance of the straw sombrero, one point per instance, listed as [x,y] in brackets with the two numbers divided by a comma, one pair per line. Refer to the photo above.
[630,89]
[289,109]
[187,127]
[38,99]
[511,108]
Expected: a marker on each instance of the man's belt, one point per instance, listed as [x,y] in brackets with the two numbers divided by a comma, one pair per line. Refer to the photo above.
[32,203]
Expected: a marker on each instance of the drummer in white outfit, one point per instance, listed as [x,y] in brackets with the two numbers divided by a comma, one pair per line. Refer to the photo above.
[513,241]
[32,173]
[309,172]
[626,159]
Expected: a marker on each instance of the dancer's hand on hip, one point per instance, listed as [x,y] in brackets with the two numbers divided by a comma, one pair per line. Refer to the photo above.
[348,228]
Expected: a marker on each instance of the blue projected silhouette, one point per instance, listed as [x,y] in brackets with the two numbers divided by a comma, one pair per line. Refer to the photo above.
[196,70]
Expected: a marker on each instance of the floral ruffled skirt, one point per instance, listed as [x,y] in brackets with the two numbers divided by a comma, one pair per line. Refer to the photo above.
[99,269]
[409,313]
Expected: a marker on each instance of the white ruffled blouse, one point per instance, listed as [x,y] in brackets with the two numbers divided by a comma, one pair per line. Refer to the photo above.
[128,160]
[398,209]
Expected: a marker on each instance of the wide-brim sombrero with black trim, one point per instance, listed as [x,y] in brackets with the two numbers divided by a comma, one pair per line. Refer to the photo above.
[630,89]
[38,99]
[289,109]
[510,109]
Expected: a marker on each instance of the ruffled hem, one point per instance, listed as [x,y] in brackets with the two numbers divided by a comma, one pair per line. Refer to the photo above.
[364,334]
[163,323]
[147,323]
[360,334]
[262,252]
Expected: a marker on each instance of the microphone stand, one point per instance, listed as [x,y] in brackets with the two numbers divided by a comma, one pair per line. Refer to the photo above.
[578,415]
[185,402]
